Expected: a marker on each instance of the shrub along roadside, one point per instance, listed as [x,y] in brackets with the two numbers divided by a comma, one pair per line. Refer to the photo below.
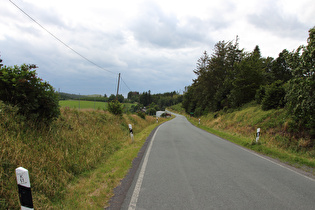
[36,100]
[115,108]
[77,142]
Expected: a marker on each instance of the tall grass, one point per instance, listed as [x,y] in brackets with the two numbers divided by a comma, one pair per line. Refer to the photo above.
[95,189]
[78,142]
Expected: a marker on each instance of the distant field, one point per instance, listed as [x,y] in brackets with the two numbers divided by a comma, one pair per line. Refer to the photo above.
[76,104]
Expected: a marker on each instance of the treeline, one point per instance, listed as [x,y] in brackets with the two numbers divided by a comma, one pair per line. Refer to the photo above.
[150,103]
[69,96]
[160,101]
[112,97]
[154,102]
[231,77]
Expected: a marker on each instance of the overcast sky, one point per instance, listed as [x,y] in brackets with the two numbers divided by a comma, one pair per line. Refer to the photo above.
[154,44]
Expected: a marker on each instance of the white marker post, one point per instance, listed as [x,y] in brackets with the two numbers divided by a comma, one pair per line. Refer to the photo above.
[199,121]
[257,135]
[157,119]
[131,132]
[24,186]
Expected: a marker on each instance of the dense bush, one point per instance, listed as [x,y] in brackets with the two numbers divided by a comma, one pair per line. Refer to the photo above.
[141,114]
[35,99]
[260,94]
[152,109]
[115,108]
[135,108]
[274,96]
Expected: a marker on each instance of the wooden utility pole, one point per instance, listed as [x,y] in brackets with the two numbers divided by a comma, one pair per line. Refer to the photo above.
[1,63]
[118,86]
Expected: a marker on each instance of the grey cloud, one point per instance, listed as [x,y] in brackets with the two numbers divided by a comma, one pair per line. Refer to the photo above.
[285,25]
[164,67]
[31,25]
[155,28]
[57,67]
[45,17]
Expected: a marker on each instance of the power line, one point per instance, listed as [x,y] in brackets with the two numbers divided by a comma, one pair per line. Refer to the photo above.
[60,39]
[125,83]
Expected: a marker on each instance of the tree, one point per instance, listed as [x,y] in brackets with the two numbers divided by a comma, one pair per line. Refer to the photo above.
[133,96]
[1,63]
[115,108]
[215,74]
[300,92]
[248,78]
[214,81]
[111,98]
[120,98]
[35,99]
[280,69]
[189,101]
[145,98]
[152,109]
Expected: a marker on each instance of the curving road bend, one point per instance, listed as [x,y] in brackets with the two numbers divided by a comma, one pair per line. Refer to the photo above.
[187,168]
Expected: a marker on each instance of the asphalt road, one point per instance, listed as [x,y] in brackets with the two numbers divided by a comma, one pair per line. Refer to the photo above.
[187,168]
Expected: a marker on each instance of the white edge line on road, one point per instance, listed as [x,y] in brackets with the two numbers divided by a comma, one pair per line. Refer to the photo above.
[276,163]
[261,156]
[135,195]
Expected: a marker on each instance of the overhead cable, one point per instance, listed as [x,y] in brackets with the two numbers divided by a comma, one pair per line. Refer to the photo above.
[125,84]
[61,40]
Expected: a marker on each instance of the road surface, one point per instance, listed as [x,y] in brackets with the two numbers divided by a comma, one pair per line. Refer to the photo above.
[187,168]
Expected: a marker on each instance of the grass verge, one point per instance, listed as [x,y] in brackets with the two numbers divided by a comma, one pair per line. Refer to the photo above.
[95,188]
[294,159]
[77,143]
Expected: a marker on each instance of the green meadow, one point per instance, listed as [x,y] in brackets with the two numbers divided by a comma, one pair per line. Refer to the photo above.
[76,104]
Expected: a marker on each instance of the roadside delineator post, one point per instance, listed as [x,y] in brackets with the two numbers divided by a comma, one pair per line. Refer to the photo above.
[24,186]
[257,135]
[131,132]
[199,121]
[157,119]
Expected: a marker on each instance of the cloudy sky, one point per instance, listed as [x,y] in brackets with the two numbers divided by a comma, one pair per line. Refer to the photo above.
[154,44]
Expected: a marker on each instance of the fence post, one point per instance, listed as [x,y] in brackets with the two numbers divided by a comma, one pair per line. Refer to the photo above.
[131,132]
[24,186]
